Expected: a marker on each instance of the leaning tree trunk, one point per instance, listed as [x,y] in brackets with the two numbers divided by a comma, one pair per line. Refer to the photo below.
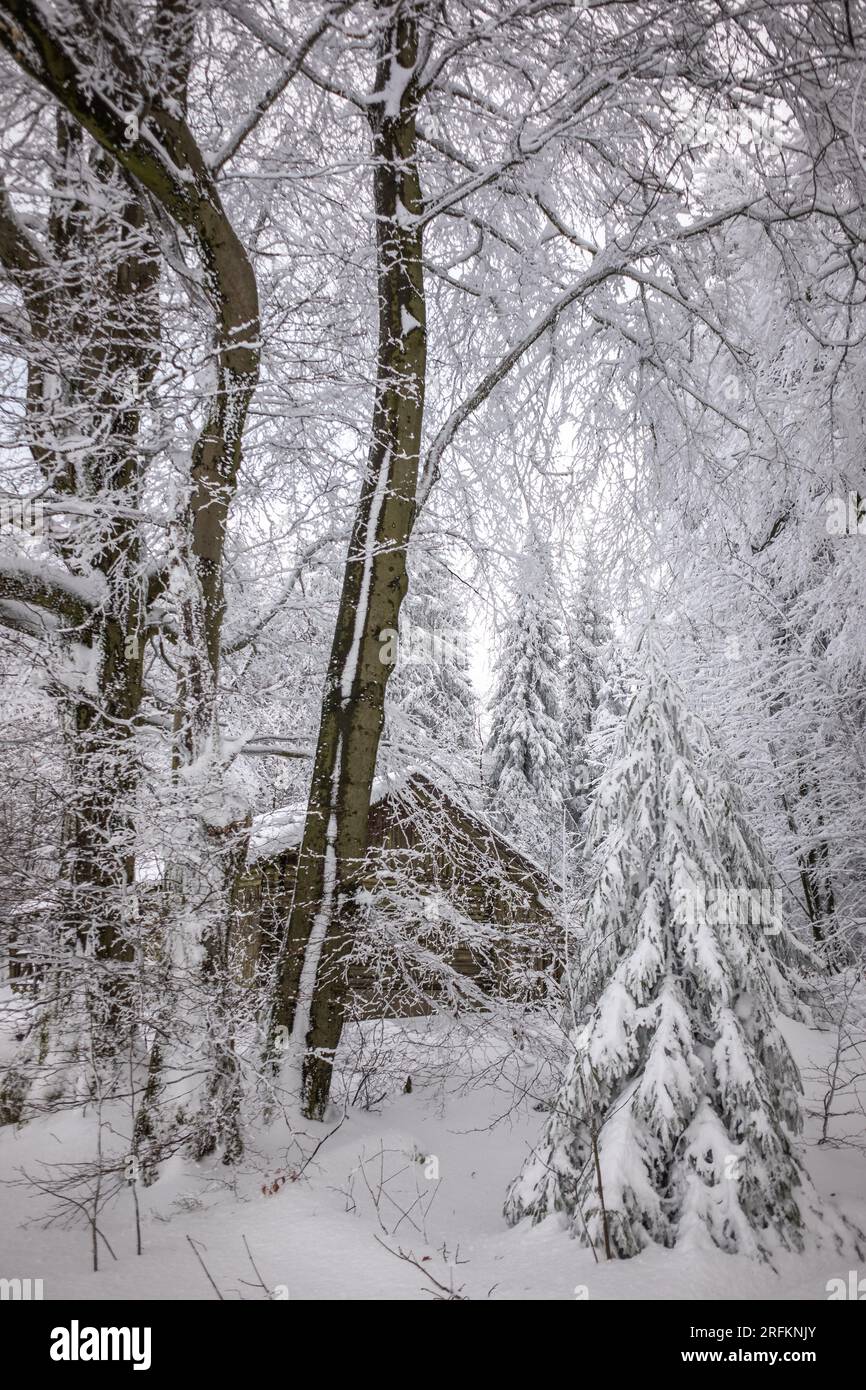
[219,828]
[312,985]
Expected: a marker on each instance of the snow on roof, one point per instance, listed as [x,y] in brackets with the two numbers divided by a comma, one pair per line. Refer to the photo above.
[276,831]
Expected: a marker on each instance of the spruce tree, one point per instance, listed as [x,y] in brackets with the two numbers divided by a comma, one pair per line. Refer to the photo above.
[431,712]
[525,755]
[676,1115]
[588,640]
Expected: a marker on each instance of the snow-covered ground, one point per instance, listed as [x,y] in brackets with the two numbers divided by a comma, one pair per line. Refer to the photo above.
[425,1174]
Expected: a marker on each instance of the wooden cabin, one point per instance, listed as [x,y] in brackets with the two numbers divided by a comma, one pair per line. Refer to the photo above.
[453,914]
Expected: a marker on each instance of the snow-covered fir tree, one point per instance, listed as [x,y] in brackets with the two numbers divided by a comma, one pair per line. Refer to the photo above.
[525,759]
[588,637]
[676,1115]
[431,709]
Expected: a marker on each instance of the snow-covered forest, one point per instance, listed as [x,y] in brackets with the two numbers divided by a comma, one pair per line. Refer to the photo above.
[433,649]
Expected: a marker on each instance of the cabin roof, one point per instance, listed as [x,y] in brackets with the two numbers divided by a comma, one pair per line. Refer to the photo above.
[280,831]
[274,832]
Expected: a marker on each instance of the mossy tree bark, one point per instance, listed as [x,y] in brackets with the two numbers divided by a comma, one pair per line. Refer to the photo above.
[312,985]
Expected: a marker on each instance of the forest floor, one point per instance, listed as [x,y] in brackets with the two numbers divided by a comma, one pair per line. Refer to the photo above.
[424,1173]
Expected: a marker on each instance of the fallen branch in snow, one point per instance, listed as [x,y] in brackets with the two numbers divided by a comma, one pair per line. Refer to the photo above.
[205,1268]
[260,1280]
[307,1161]
[443,1292]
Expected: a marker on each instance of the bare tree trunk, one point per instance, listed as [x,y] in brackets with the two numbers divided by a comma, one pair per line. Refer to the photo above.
[145,131]
[312,986]
[92,313]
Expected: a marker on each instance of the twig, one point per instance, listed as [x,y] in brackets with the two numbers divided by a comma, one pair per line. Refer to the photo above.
[205,1268]
[255,1268]
[444,1294]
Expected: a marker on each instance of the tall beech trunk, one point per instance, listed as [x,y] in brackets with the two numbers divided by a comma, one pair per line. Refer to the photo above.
[92,309]
[146,132]
[311,987]
[119,325]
